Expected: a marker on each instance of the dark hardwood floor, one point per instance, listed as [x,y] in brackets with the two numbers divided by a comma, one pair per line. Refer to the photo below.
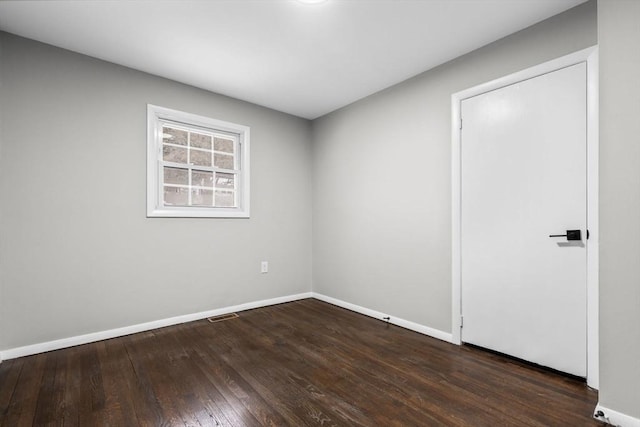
[295,364]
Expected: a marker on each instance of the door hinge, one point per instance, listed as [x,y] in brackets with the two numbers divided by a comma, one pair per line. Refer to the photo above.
[461,321]
[460,123]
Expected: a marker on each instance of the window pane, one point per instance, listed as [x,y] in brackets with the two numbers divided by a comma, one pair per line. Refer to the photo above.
[174,154]
[225,199]
[174,136]
[223,161]
[197,166]
[174,196]
[201,197]
[200,141]
[225,180]
[202,178]
[201,158]
[222,144]
[176,176]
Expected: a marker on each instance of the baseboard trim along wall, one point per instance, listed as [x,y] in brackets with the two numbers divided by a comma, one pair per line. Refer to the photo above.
[141,327]
[425,330]
[615,418]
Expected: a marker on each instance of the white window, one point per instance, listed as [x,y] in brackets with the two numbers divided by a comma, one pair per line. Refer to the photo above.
[196,166]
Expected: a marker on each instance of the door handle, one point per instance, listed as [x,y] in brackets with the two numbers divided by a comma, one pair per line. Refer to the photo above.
[571,235]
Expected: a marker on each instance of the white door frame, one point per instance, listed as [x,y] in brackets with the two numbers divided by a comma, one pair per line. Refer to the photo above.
[590,56]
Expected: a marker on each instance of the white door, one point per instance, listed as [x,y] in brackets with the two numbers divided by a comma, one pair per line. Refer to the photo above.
[523,154]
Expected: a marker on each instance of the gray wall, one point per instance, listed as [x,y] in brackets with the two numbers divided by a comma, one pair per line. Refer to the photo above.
[382,177]
[619,37]
[77,254]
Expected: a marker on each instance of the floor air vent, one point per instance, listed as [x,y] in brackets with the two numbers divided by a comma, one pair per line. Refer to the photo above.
[222,317]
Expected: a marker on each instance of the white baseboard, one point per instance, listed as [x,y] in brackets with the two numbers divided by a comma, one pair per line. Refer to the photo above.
[141,327]
[616,418]
[425,330]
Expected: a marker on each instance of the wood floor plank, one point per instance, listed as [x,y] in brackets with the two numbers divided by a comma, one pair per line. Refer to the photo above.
[365,369]
[300,408]
[206,387]
[316,367]
[22,409]
[488,382]
[236,388]
[305,363]
[186,375]
[143,353]
[367,363]
[91,402]
[129,387]
[9,374]
[72,385]
[117,377]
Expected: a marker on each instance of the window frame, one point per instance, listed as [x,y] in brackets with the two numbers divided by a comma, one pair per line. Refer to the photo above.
[157,117]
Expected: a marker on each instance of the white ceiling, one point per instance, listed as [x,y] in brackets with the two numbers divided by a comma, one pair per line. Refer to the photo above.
[306,60]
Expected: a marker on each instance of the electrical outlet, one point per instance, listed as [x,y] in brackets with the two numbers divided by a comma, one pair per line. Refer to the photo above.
[264,267]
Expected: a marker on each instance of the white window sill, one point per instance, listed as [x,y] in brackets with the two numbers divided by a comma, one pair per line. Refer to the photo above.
[193,212]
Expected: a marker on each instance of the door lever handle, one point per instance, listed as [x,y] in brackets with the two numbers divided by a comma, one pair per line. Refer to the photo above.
[571,235]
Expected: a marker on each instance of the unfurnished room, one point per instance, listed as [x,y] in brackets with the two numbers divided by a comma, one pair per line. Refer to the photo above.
[320,213]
